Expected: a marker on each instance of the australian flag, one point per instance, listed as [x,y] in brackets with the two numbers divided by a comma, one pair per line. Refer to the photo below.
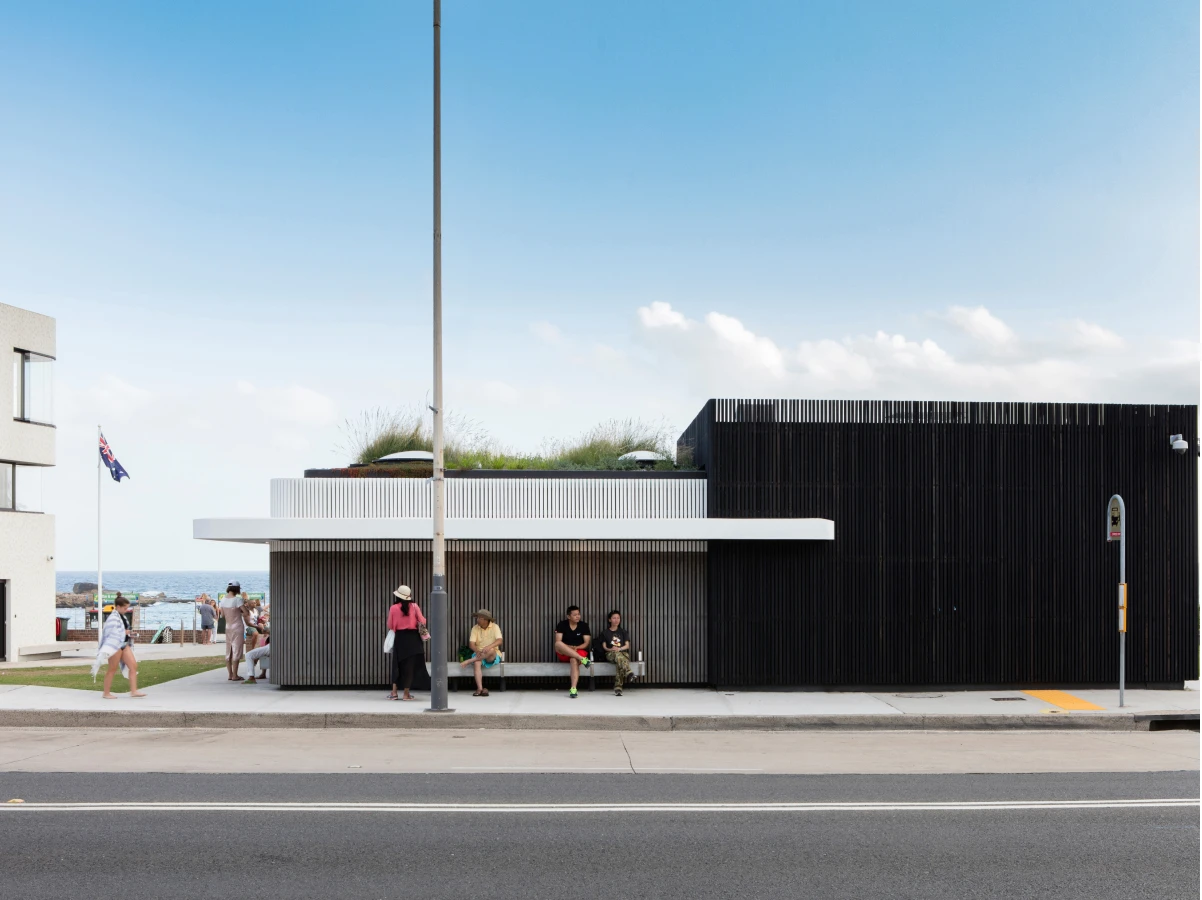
[106,456]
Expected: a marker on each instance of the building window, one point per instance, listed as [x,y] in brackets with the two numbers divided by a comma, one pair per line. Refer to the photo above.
[33,387]
[27,488]
[20,487]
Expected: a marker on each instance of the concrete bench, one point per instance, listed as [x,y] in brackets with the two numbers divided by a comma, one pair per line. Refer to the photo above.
[540,670]
[46,651]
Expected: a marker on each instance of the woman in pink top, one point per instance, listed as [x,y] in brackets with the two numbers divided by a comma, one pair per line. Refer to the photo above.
[404,617]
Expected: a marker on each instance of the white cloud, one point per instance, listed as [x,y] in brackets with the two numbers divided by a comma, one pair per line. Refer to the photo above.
[661,315]
[750,349]
[298,405]
[725,357]
[831,363]
[547,332]
[981,324]
[1092,336]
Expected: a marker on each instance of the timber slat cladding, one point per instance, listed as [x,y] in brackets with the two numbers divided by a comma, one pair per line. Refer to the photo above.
[330,600]
[329,605]
[658,585]
[969,542]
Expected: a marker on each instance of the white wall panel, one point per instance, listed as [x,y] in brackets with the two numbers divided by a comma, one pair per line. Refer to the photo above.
[490,498]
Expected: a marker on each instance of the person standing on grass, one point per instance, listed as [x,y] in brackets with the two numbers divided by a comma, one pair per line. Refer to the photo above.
[405,618]
[615,641]
[485,641]
[572,640]
[117,646]
[231,611]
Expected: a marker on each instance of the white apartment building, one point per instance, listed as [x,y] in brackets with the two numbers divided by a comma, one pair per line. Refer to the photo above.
[27,439]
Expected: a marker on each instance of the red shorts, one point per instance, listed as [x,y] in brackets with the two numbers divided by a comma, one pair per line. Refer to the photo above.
[580,654]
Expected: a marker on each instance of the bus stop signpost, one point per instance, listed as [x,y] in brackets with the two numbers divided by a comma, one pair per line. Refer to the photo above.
[1116,530]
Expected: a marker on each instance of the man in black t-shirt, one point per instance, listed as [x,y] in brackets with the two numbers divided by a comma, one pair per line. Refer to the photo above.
[572,640]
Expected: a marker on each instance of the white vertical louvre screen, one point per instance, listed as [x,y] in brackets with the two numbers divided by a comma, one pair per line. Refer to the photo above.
[488,498]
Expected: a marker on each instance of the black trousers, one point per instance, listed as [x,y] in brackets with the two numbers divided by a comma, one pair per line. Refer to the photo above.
[402,671]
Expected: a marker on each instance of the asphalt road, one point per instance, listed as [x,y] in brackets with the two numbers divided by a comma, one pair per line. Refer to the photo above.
[888,850]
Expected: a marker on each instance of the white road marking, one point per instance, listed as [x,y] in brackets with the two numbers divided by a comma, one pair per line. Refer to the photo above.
[540,768]
[691,769]
[577,808]
[596,769]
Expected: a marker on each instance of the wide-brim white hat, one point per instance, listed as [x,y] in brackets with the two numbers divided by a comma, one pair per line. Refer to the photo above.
[403,592]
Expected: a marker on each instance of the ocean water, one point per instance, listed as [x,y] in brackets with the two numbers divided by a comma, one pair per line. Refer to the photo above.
[185,586]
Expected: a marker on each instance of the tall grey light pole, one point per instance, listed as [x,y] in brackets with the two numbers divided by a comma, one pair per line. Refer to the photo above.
[438,592]
[1116,530]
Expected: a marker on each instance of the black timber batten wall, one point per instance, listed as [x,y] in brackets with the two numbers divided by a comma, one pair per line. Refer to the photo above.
[969,543]
[330,600]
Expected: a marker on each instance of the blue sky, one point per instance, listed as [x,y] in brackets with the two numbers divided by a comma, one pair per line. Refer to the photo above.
[227,208]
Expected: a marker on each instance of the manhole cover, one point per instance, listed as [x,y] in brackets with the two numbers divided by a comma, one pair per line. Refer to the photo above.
[919,696]
[1004,699]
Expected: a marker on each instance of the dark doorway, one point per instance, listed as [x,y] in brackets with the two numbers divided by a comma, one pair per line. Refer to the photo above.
[3,621]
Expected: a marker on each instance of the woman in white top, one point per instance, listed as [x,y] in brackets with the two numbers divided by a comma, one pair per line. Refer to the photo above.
[117,639]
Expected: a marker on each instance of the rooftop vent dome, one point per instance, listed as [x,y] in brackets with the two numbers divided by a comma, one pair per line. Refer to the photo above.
[407,456]
[644,458]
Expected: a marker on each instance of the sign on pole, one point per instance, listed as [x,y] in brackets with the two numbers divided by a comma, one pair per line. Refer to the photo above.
[1116,530]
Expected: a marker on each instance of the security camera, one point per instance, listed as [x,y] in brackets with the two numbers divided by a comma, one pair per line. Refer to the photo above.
[1178,443]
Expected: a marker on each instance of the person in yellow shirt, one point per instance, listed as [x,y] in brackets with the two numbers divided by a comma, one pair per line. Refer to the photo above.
[485,641]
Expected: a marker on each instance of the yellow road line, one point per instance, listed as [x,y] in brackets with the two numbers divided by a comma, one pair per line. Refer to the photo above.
[1063,700]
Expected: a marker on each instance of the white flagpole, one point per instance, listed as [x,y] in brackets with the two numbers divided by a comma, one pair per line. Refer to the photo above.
[99,531]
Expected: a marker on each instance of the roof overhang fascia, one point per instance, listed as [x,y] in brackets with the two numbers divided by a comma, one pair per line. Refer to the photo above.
[260,531]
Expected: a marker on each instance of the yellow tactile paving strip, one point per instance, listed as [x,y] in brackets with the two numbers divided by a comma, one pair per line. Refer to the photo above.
[1063,700]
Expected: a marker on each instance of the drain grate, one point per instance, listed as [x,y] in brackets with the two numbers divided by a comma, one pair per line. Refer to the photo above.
[919,696]
[1003,699]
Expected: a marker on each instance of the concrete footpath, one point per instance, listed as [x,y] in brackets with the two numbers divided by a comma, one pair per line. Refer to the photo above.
[464,751]
[208,700]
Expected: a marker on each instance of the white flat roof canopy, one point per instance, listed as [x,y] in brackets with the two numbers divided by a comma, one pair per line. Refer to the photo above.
[260,531]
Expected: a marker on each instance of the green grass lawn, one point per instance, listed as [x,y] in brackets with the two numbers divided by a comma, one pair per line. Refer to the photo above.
[150,673]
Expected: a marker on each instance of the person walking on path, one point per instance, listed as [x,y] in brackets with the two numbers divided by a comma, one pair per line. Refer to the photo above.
[485,641]
[615,641]
[231,611]
[117,648]
[405,620]
[572,640]
[208,617]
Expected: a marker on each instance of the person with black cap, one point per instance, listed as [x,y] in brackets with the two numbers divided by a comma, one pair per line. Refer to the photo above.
[231,611]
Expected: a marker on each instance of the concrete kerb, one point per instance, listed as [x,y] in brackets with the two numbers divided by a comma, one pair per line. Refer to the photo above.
[519,722]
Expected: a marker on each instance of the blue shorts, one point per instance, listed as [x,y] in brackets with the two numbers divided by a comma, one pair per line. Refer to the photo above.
[495,661]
